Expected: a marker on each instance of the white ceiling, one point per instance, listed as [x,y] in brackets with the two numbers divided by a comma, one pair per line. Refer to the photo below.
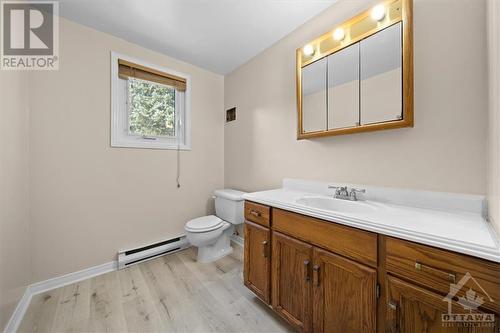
[218,35]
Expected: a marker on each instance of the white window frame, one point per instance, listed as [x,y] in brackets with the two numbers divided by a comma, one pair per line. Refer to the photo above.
[120,136]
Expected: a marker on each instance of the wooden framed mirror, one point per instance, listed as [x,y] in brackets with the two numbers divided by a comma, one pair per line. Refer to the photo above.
[359,76]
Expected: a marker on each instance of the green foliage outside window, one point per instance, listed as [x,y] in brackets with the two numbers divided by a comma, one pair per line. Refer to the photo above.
[151,108]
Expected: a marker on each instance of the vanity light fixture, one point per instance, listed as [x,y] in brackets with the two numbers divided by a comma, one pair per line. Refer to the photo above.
[378,12]
[308,50]
[339,34]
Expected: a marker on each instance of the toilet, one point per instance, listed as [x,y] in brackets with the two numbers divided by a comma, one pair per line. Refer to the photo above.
[212,234]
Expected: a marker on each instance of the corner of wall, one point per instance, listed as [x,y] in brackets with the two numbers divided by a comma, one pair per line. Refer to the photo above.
[493,164]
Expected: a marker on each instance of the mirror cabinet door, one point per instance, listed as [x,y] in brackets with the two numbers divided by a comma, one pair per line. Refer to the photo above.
[343,88]
[381,76]
[314,96]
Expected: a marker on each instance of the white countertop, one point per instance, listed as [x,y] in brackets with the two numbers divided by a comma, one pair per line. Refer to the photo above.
[450,221]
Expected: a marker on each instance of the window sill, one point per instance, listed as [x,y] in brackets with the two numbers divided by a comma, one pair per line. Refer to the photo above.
[149,145]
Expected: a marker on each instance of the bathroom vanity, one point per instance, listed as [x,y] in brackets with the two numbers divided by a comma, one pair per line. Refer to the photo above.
[331,265]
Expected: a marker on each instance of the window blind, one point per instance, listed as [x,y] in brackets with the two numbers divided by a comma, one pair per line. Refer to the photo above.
[128,69]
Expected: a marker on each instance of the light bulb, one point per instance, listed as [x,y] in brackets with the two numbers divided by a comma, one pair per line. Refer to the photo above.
[339,34]
[378,12]
[308,50]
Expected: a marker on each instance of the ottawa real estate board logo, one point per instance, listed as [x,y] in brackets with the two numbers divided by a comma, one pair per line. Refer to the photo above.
[29,35]
[470,301]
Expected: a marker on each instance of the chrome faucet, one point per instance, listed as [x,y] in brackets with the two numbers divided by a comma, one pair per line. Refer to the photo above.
[342,192]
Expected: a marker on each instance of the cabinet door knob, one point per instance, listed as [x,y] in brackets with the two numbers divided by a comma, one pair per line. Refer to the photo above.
[306,269]
[435,272]
[393,316]
[255,213]
[264,249]
[316,275]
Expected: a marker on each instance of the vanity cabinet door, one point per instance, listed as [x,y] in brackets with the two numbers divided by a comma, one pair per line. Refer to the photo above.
[344,294]
[291,280]
[257,261]
[412,309]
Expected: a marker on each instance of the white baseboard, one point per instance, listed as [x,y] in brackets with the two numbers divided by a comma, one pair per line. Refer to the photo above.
[57,282]
[238,240]
[64,280]
[18,314]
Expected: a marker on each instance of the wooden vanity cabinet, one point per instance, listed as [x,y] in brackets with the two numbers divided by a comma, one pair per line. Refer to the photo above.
[436,269]
[257,265]
[314,286]
[412,309]
[291,280]
[257,213]
[355,244]
[326,277]
[345,297]
[418,279]
[321,279]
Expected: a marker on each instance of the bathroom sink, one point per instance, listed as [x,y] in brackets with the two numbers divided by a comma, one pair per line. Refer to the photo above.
[338,205]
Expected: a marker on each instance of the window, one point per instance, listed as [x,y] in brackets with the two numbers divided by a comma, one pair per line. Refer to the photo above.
[150,105]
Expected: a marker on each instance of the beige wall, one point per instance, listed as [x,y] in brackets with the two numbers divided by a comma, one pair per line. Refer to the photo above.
[445,151]
[15,271]
[89,200]
[494,112]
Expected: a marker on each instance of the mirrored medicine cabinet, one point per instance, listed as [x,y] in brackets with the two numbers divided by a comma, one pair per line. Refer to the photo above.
[359,76]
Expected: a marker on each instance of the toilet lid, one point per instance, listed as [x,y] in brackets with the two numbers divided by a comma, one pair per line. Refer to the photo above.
[204,223]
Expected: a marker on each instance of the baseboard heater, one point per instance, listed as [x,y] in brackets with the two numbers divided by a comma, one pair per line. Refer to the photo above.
[151,251]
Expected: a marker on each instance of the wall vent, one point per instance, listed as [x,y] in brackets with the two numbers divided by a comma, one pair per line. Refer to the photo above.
[230,114]
[147,252]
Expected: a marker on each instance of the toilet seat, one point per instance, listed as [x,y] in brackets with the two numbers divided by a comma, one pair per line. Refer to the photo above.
[204,224]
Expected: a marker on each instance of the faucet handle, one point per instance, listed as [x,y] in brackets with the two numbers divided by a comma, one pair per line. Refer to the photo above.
[336,188]
[353,191]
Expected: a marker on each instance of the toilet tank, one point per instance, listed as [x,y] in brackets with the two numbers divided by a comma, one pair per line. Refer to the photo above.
[229,205]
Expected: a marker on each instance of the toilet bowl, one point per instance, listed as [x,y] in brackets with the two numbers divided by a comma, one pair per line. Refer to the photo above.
[212,234]
[212,237]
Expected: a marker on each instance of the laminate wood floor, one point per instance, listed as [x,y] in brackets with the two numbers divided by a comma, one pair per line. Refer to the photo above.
[172,293]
